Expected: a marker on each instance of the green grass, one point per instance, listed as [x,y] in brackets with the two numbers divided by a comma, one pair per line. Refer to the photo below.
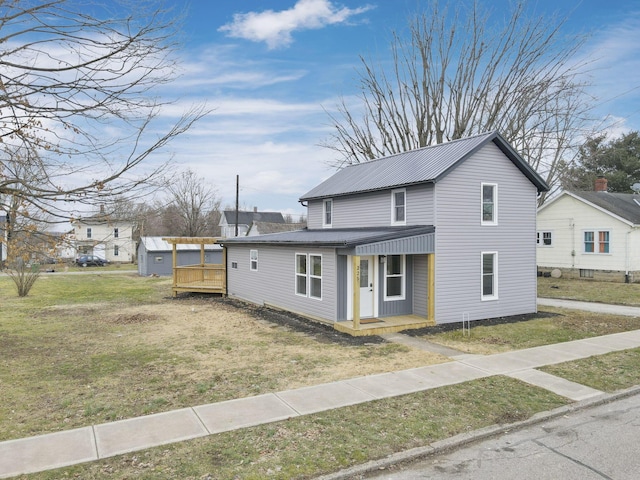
[590,291]
[312,445]
[561,326]
[609,373]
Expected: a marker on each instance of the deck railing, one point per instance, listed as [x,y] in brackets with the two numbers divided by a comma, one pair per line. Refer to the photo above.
[200,278]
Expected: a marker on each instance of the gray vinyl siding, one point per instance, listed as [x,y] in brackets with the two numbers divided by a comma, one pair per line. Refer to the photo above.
[460,239]
[374,209]
[342,283]
[397,307]
[274,281]
[420,278]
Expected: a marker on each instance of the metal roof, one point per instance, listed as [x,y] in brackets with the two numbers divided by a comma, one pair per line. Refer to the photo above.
[157,244]
[625,205]
[334,237]
[247,218]
[424,165]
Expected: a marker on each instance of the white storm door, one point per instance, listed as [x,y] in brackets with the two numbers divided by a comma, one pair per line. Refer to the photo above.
[366,287]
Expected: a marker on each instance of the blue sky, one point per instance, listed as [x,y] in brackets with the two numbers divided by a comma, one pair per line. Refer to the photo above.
[270,70]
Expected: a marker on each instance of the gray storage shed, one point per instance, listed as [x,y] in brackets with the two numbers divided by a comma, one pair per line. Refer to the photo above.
[155,256]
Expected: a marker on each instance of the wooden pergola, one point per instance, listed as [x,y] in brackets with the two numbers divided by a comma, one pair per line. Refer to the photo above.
[202,277]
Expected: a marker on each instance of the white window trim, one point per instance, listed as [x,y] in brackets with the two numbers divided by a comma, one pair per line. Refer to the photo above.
[403,276]
[311,276]
[305,275]
[89,233]
[251,260]
[596,241]
[116,232]
[540,238]
[495,204]
[393,207]
[324,213]
[494,295]
[116,250]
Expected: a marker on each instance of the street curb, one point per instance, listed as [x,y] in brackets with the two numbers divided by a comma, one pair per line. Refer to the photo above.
[463,439]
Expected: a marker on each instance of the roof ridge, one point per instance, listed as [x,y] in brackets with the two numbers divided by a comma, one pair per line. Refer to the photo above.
[426,147]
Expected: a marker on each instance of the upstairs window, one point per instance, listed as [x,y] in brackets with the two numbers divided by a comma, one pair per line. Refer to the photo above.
[116,233]
[253,260]
[327,213]
[398,207]
[88,232]
[597,241]
[489,204]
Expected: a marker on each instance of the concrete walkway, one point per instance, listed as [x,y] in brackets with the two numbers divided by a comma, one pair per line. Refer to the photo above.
[99,441]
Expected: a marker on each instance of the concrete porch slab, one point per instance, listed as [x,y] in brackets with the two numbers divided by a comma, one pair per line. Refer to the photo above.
[46,452]
[244,412]
[150,431]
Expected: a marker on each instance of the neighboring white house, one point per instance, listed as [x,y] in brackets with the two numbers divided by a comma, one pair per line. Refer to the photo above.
[592,234]
[106,237]
[245,221]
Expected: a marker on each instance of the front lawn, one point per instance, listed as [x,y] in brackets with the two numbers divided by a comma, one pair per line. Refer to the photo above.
[589,290]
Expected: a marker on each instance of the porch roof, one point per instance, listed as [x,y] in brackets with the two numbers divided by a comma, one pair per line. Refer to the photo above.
[358,241]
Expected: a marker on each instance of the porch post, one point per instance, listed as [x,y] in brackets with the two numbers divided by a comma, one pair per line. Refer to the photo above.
[175,268]
[431,286]
[355,259]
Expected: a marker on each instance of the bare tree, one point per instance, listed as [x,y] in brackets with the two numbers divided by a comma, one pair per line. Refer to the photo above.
[460,74]
[77,104]
[193,200]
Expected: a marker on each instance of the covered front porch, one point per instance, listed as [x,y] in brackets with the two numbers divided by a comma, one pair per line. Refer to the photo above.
[390,286]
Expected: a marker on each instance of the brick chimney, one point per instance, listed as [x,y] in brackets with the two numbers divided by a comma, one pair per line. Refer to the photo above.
[601,184]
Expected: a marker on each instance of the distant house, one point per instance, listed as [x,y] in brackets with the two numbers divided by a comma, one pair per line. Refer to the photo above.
[105,236]
[155,255]
[246,221]
[3,237]
[440,234]
[591,234]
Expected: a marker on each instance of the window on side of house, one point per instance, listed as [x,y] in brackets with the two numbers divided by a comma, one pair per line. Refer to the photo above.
[544,239]
[327,213]
[597,241]
[489,204]
[315,276]
[253,260]
[88,232]
[116,250]
[399,207]
[301,274]
[394,277]
[489,275]
[116,232]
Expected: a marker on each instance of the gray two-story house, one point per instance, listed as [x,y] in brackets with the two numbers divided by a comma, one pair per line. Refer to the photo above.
[436,235]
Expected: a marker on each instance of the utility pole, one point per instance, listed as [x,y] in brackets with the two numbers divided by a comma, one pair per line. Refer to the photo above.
[237,200]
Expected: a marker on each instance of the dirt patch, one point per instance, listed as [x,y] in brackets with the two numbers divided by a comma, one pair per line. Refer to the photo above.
[320,332]
[133,318]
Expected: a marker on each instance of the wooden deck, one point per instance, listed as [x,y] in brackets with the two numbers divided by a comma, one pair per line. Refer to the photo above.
[207,278]
[379,326]
[200,278]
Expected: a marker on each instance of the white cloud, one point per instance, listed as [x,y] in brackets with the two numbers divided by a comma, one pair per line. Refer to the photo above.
[275,28]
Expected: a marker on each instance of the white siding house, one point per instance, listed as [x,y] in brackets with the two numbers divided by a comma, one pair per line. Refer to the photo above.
[590,235]
[435,235]
[105,237]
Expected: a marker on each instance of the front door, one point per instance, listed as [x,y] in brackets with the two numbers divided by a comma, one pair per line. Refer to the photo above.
[366,287]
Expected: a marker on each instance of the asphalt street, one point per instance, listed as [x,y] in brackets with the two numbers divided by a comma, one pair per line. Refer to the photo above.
[602,442]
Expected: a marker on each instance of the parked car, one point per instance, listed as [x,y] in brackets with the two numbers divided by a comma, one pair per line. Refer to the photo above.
[90,260]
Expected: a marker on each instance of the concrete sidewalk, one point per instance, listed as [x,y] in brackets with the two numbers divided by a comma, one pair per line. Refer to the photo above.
[99,441]
[591,306]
